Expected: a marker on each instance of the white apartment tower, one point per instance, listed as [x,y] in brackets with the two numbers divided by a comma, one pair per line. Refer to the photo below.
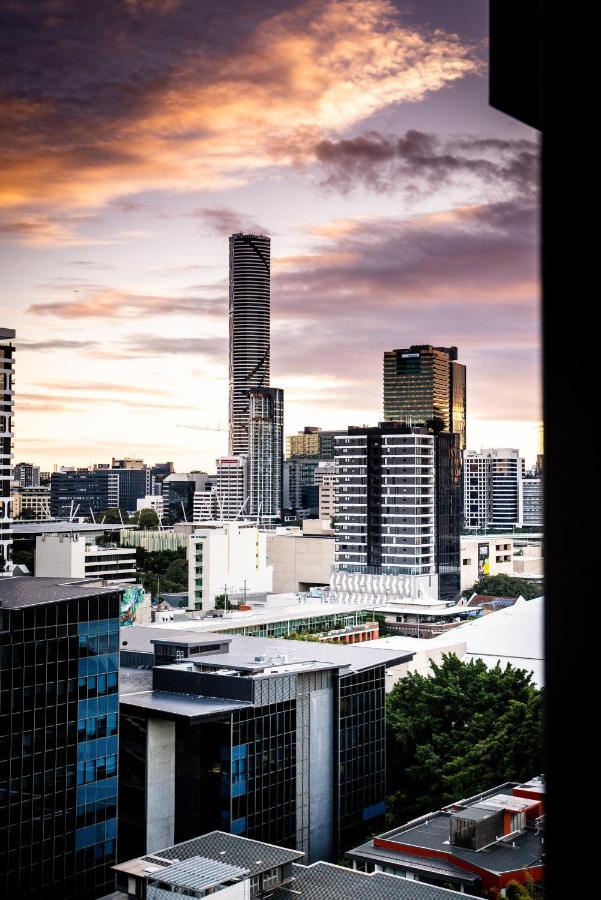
[266,454]
[493,488]
[231,488]
[7,350]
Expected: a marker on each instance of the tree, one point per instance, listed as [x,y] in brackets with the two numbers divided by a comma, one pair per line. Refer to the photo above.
[463,730]
[505,586]
[113,517]
[148,519]
[164,570]
[26,515]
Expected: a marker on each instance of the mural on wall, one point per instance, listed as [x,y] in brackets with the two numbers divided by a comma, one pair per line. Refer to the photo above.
[133,597]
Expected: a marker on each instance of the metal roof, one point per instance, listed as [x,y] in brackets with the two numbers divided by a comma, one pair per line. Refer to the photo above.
[198,873]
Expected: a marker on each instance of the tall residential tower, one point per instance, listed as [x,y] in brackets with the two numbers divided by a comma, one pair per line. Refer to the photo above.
[249,313]
[7,336]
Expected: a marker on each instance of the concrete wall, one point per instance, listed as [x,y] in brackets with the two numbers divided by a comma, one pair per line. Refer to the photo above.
[299,561]
[231,555]
[500,557]
[160,785]
[60,555]
[321,775]
[421,662]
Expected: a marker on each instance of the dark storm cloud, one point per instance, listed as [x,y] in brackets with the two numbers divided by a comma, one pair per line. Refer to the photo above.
[418,163]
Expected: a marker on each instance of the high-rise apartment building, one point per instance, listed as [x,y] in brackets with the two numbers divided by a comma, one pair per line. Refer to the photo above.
[385,512]
[493,480]
[300,491]
[266,453]
[231,487]
[59,725]
[249,330]
[425,386]
[26,475]
[532,501]
[325,479]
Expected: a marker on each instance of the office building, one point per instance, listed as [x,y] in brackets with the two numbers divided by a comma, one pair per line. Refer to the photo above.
[178,495]
[300,490]
[151,501]
[325,479]
[230,866]
[158,473]
[312,441]
[226,557]
[231,486]
[134,483]
[266,454]
[26,475]
[59,725]
[249,330]
[83,492]
[532,501]
[76,554]
[385,513]
[275,740]
[205,507]
[445,847]
[425,386]
[31,503]
[492,481]
[449,513]
[7,351]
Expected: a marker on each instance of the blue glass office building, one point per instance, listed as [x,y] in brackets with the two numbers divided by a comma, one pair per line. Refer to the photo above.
[59,728]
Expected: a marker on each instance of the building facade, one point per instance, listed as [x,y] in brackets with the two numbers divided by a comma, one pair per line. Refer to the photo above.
[59,732]
[325,479]
[83,492]
[232,488]
[243,739]
[77,555]
[266,454]
[7,351]
[26,475]
[249,330]
[385,501]
[425,386]
[227,557]
[31,502]
[300,491]
[532,501]
[178,495]
[493,488]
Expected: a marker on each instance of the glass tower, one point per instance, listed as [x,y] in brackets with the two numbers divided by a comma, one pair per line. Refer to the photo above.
[59,723]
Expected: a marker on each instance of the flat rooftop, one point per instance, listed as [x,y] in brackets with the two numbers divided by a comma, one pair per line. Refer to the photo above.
[54,527]
[243,649]
[20,591]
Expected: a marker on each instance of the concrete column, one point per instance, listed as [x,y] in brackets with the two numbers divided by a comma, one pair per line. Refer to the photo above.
[160,785]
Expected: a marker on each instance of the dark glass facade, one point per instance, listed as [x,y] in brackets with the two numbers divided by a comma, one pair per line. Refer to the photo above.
[94,490]
[59,729]
[361,756]
[425,386]
[449,497]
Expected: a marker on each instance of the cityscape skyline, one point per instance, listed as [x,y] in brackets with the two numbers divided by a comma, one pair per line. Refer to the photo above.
[416,195]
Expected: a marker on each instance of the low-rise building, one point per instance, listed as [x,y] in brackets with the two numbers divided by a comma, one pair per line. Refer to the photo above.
[151,501]
[154,540]
[33,501]
[229,866]
[301,559]
[485,555]
[279,741]
[479,844]
[226,557]
[76,554]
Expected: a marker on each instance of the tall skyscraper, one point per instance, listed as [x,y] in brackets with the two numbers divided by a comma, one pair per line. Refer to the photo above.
[59,724]
[266,453]
[425,385]
[249,330]
[7,336]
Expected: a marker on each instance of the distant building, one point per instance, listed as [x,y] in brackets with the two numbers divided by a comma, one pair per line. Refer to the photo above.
[493,482]
[300,491]
[312,441]
[300,560]
[154,540]
[83,493]
[325,479]
[178,495]
[26,475]
[63,842]
[532,501]
[75,554]
[33,501]
[205,507]
[425,386]
[229,556]
[7,350]
[485,555]
[231,488]
[249,330]
[158,473]
[151,501]
[266,454]
[275,740]
[444,847]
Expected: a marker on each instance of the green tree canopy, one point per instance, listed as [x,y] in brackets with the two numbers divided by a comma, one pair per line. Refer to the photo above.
[505,586]
[26,515]
[148,520]
[164,571]
[112,517]
[463,730]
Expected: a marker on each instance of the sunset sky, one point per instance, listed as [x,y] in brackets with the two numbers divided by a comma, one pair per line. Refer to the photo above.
[138,134]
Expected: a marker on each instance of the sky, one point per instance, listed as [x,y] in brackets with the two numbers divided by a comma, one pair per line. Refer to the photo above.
[139,134]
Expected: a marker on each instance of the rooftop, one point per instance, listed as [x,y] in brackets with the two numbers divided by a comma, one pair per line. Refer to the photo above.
[254,856]
[22,591]
[199,873]
[35,528]
[243,650]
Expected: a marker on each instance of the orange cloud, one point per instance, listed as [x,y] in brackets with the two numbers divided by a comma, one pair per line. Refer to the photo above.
[298,76]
